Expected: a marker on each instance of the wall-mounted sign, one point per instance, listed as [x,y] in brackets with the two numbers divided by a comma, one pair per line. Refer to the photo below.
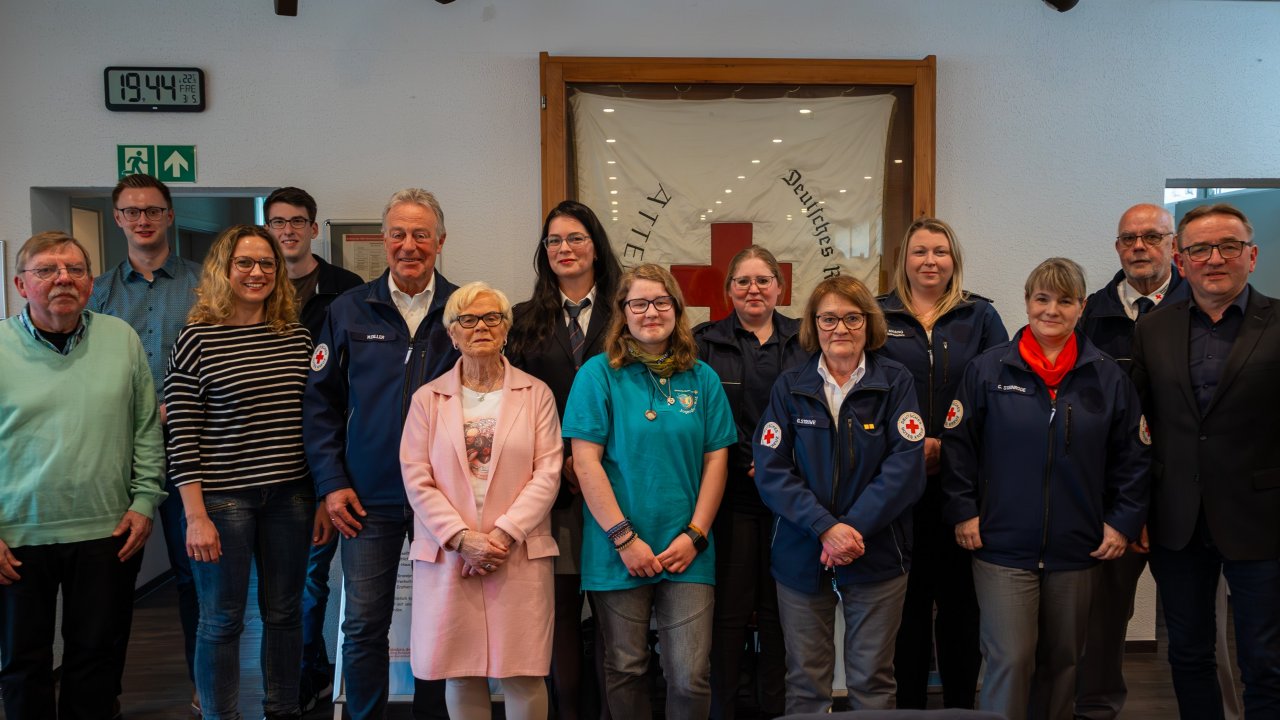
[169,163]
[154,89]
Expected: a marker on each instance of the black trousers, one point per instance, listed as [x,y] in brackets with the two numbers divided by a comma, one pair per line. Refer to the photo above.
[94,584]
[745,586]
[941,574]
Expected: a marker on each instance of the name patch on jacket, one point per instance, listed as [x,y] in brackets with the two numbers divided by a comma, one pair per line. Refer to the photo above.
[375,337]
[1012,389]
[897,333]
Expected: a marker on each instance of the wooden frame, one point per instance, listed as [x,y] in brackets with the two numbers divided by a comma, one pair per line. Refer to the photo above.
[558,73]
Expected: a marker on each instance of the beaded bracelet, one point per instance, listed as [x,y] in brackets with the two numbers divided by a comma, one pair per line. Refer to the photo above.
[619,530]
[618,545]
[626,543]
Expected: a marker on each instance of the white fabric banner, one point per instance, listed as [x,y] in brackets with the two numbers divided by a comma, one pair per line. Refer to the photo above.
[666,175]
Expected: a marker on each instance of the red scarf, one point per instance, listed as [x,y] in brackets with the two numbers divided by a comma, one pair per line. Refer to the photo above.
[1050,372]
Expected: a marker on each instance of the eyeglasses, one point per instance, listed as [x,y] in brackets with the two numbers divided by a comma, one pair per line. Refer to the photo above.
[491,319]
[640,306]
[1228,249]
[298,223]
[576,240]
[153,213]
[1150,239]
[245,264]
[853,321]
[742,282]
[45,272]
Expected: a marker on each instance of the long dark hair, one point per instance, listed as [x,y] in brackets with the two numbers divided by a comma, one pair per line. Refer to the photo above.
[537,325]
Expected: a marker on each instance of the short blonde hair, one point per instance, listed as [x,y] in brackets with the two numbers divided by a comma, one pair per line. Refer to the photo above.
[684,352]
[1057,274]
[469,293]
[215,302]
[855,292]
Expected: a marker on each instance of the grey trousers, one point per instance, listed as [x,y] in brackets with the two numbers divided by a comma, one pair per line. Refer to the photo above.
[1032,633]
[872,615]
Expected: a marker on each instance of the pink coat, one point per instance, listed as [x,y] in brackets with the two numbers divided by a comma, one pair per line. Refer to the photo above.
[498,625]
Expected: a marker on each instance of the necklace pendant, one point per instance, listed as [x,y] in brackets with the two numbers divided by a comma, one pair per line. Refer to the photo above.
[650,415]
[662,381]
[671,401]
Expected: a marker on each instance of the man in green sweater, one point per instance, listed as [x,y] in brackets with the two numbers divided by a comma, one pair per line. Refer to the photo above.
[82,460]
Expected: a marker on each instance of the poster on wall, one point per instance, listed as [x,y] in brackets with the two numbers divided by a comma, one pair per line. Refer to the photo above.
[363,254]
[688,183]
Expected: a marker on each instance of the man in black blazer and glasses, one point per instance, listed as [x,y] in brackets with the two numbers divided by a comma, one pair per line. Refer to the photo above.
[1208,371]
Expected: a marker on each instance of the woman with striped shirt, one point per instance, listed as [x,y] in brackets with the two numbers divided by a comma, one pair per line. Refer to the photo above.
[234,394]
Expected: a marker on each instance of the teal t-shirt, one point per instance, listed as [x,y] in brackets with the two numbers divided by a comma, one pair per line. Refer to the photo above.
[654,466]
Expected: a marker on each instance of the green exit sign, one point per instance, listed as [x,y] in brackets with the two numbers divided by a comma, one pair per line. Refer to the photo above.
[167,163]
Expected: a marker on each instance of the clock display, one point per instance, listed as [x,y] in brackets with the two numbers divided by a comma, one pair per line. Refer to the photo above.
[154,89]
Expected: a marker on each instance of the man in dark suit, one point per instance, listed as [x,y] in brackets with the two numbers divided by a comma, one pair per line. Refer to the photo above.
[1208,371]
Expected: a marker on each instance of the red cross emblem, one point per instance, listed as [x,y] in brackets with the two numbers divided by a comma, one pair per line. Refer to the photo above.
[771,436]
[912,426]
[320,357]
[703,285]
[951,413]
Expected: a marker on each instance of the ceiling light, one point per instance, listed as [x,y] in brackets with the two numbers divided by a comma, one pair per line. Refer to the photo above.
[805,111]
[755,162]
[613,177]
[612,162]
[608,109]
[777,140]
[613,192]
[866,177]
[610,140]
[898,161]
[742,177]
[613,202]
[728,190]
[719,202]
[843,190]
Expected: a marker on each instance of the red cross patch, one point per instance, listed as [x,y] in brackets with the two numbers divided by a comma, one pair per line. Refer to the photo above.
[1144,430]
[771,436]
[319,357]
[911,426]
[955,414]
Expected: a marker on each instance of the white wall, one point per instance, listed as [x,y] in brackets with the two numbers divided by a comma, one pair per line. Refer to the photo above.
[1049,124]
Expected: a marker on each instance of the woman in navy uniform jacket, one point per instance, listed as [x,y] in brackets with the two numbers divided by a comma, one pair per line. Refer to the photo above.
[839,460]
[935,329]
[1045,472]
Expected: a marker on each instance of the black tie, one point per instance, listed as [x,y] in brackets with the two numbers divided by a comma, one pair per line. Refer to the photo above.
[577,340]
[1144,305]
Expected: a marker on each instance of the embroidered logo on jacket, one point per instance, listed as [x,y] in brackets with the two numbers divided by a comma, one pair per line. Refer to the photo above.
[911,426]
[319,357]
[955,414]
[771,436]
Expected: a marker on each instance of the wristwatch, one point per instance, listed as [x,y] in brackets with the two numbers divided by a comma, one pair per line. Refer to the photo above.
[699,540]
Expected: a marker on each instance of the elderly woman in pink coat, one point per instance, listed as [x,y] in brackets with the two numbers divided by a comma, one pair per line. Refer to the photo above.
[481,456]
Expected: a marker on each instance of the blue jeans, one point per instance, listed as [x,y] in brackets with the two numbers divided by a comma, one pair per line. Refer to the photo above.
[268,526]
[1187,580]
[683,612]
[315,599]
[370,563]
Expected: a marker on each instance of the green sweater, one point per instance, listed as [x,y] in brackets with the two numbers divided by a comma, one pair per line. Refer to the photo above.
[80,439]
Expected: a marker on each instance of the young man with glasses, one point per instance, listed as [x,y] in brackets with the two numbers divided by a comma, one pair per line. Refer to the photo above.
[291,220]
[1205,369]
[152,289]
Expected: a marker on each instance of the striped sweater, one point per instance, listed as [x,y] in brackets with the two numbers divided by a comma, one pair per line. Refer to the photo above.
[234,397]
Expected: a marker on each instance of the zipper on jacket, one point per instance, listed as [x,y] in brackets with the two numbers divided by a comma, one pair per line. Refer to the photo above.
[929,350]
[1068,429]
[946,360]
[902,563]
[1048,468]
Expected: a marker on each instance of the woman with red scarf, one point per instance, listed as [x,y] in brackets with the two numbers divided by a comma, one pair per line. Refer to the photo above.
[1045,457]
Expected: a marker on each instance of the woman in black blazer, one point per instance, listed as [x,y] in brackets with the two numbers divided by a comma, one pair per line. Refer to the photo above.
[553,332]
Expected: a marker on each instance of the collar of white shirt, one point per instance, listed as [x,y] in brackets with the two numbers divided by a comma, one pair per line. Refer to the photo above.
[836,392]
[1129,296]
[413,308]
[584,315]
